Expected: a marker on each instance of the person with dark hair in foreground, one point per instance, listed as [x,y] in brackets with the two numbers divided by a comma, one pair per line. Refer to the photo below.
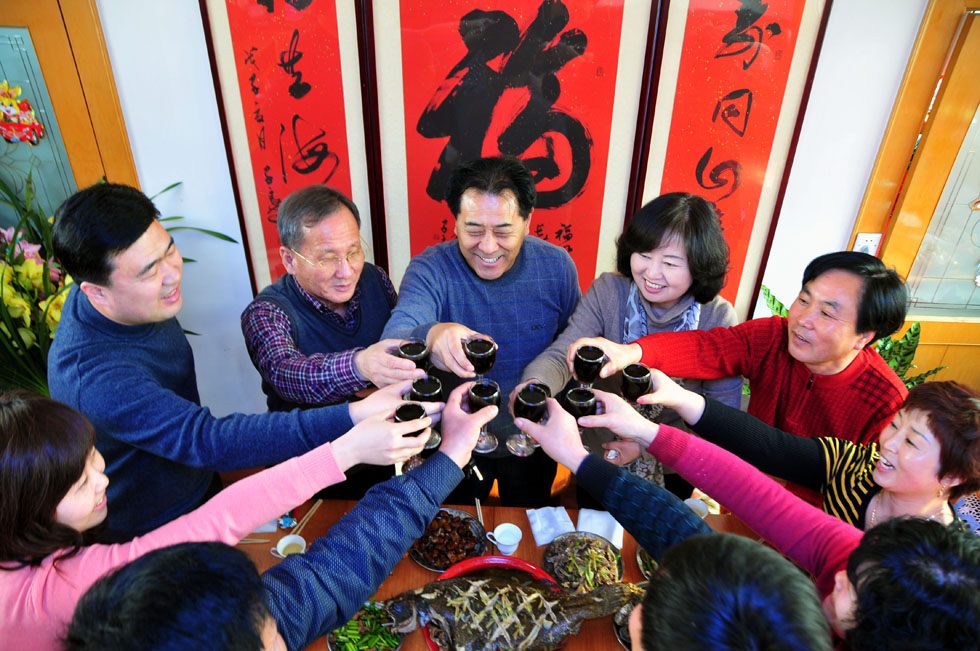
[723,592]
[812,372]
[914,582]
[198,596]
[494,281]
[122,359]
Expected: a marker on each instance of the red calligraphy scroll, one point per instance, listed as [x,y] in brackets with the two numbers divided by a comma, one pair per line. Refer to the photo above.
[288,66]
[733,73]
[535,79]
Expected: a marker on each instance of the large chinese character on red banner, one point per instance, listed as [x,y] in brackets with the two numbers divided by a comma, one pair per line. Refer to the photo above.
[287,60]
[733,73]
[533,79]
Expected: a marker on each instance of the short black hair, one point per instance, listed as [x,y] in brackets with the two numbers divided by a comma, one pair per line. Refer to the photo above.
[494,175]
[307,207]
[96,223]
[722,591]
[695,221]
[188,596]
[917,585]
[884,300]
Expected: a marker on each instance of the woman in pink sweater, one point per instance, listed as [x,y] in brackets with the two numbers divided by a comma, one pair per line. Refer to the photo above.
[52,490]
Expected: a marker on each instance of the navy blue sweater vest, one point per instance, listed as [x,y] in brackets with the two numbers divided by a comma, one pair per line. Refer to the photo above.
[314,332]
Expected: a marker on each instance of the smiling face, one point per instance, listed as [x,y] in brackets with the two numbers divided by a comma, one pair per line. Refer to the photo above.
[333,260]
[144,285]
[84,505]
[490,232]
[909,462]
[821,322]
[662,275]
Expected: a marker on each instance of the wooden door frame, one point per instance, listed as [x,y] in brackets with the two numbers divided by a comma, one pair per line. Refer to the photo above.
[929,53]
[95,139]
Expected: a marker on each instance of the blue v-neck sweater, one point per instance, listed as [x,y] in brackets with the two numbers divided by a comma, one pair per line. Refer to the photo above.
[138,387]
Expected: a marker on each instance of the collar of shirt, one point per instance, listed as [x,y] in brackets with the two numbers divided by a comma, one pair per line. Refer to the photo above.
[350,309]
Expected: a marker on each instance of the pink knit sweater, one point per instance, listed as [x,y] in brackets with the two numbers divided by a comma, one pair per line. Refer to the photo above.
[814,540]
[36,603]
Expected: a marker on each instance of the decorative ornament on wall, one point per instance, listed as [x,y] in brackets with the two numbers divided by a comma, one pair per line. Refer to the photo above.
[17,120]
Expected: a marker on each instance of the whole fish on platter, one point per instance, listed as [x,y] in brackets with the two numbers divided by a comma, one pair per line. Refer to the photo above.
[502,610]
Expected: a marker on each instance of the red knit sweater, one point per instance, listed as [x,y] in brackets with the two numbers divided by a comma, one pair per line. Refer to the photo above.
[854,404]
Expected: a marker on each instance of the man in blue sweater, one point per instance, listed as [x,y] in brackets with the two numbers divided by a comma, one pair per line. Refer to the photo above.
[121,358]
[498,281]
[296,601]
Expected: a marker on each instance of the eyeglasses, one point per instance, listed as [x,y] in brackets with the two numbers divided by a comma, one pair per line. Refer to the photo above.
[331,263]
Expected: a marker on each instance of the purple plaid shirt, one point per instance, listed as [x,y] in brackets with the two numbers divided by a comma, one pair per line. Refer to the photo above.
[304,379]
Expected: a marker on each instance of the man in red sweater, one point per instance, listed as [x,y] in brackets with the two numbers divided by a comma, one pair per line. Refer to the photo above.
[813,373]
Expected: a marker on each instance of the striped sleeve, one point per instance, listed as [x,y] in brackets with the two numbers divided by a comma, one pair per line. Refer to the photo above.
[848,483]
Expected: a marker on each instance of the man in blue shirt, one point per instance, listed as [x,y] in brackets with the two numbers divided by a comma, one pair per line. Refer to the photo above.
[121,358]
[497,281]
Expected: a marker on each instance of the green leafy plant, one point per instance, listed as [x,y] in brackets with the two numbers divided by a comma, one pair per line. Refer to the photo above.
[898,353]
[33,287]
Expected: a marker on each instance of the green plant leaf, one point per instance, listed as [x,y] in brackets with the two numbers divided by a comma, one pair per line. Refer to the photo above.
[220,236]
[167,189]
[171,218]
[774,304]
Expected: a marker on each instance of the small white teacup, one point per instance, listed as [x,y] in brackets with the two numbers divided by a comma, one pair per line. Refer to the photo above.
[506,537]
[698,506]
[291,544]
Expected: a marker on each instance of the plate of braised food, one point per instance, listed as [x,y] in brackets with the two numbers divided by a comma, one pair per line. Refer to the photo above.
[495,603]
[621,620]
[451,537]
[366,631]
[581,561]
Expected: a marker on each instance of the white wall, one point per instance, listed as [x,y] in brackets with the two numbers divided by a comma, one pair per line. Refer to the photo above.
[863,58]
[160,63]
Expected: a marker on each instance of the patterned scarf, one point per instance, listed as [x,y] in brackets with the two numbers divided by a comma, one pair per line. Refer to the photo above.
[635,324]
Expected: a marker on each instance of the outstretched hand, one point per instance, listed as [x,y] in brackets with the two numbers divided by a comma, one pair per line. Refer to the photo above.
[445,342]
[379,366]
[619,417]
[618,356]
[386,400]
[460,429]
[558,436]
[379,441]
[688,404]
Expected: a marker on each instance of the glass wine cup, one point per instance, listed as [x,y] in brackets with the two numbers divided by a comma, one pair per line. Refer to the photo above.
[481,353]
[531,404]
[637,381]
[483,393]
[428,389]
[416,351]
[404,413]
[580,402]
[587,364]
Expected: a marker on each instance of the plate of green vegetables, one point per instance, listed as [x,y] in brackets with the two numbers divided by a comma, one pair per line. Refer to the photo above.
[365,632]
[582,561]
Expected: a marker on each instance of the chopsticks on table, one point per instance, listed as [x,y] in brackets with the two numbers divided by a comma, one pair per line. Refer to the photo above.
[306,518]
[479,511]
[252,541]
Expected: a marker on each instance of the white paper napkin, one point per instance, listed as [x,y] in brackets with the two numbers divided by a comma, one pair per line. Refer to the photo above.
[601,524]
[272,525]
[548,523]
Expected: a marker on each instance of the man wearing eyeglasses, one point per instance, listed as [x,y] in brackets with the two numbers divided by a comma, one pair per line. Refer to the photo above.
[314,334]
